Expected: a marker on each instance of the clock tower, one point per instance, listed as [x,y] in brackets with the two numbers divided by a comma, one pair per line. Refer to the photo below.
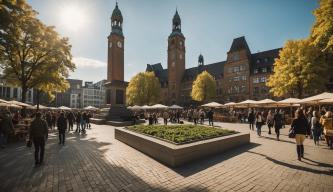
[115,69]
[176,60]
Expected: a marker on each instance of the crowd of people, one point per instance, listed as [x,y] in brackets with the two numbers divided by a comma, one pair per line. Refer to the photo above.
[41,124]
[197,116]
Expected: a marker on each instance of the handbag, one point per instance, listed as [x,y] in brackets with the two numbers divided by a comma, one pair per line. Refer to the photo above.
[292,133]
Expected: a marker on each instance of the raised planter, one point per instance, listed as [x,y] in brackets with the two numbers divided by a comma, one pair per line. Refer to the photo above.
[176,155]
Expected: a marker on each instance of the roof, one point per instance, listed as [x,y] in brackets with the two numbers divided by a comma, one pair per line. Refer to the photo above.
[239,44]
[116,14]
[264,59]
[161,74]
[215,69]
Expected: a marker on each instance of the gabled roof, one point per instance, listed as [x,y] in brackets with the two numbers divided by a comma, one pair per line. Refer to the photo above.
[239,44]
[265,58]
[161,74]
[215,69]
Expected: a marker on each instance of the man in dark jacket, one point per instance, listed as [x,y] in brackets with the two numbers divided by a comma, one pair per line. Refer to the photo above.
[62,126]
[38,133]
[278,123]
[210,116]
[70,118]
[6,127]
[250,119]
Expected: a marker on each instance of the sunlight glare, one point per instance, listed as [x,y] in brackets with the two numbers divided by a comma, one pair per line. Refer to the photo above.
[73,18]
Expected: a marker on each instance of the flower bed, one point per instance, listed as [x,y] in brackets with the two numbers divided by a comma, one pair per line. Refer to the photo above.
[180,134]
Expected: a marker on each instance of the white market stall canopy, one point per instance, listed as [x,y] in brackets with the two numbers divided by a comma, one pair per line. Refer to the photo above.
[3,101]
[135,107]
[158,106]
[212,104]
[315,99]
[40,107]
[246,103]
[91,108]
[19,103]
[145,107]
[175,107]
[326,101]
[10,105]
[230,104]
[64,108]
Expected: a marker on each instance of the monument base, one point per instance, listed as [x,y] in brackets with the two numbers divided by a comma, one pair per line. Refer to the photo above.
[119,113]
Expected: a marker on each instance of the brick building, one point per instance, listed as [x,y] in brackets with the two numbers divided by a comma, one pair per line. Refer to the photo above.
[242,76]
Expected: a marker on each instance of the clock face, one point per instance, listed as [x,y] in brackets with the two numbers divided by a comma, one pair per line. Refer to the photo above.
[119,44]
[110,44]
[180,43]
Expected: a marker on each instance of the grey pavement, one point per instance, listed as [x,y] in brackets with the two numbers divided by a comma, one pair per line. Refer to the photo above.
[98,162]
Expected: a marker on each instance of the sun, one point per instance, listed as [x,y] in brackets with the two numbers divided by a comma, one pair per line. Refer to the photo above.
[73,17]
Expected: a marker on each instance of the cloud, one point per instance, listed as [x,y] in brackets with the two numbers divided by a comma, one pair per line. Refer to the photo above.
[82,62]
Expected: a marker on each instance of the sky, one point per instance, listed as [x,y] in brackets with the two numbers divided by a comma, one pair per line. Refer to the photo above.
[209,27]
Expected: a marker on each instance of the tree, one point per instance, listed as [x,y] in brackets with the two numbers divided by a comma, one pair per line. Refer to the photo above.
[322,30]
[204,87]
[143,89]
[32,54]
[297,69]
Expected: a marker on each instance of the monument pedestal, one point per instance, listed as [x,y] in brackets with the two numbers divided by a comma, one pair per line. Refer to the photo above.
[116,98]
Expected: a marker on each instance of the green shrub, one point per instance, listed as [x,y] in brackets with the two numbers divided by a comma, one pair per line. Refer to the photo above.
[181,133]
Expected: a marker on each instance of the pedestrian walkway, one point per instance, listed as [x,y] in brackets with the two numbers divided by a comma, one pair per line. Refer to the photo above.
[98,162]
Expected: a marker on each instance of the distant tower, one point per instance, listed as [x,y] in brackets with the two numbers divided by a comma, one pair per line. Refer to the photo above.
[200,60]
[176,59]
[116,47]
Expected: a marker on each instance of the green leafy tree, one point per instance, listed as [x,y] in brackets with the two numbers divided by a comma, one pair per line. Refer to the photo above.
[143,89]
[32,54]
[204,87]
[297,69]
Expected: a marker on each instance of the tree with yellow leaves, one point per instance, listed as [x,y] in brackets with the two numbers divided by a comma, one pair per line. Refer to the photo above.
[298,69]
[143,89]
[204,87]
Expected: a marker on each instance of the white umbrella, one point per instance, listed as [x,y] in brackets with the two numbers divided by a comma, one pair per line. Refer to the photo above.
[135,107]
[315,99]
[288,102]
[230,104]
[40,107]
[158,106]
[212,104]
[19,103]
[91,108]
[175,107]
[3,101]
[10,105]
[145,107]
[246,103]
[64,108]
[326,101]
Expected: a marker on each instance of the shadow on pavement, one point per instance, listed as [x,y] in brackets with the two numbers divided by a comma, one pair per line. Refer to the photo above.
[298,167]
[200,165]
[80,165]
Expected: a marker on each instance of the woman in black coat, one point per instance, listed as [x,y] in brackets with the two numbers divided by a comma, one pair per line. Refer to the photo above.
[301,128]
[62,126]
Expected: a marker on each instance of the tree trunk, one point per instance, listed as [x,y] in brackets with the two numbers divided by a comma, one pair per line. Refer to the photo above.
[38,97]
[24,93]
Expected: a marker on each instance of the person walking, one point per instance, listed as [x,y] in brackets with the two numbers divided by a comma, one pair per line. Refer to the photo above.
[250,119]
[70,118]
[327,122]
[195,116]
[202,116]
[210,116]
[62,126]
[278,123]
[6,128]
[315,127]
[165,117]
[38,134]
[301,127]
[78,122]
[259,122]
[48,118]
[270,121]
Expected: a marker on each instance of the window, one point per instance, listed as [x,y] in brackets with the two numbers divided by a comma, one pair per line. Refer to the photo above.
[236,69]
[256,90]
[230,70]
[256,80]
[235,57]
[243,78]
[242,68]
[264,70]
[266,59]
[255,71]
[236,78]
[243,89]
[258,61]
[263,79]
